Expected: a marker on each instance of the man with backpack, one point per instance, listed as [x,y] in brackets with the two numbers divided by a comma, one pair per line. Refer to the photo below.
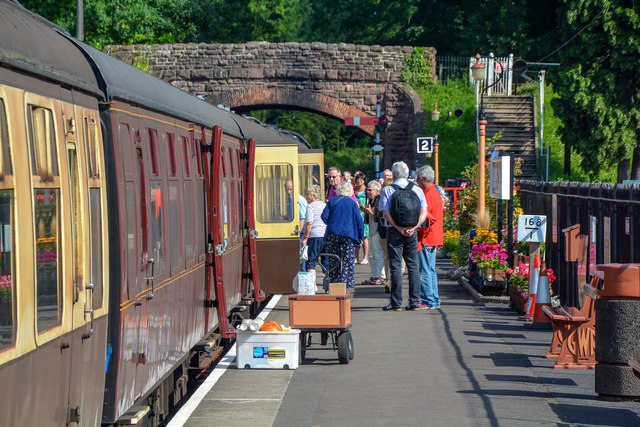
[405,208]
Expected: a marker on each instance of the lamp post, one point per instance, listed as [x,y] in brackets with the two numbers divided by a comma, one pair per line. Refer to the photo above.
[435,117]
[478,72]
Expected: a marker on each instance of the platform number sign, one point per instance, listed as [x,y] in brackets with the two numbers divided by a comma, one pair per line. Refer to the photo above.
[424,145]
[532,228]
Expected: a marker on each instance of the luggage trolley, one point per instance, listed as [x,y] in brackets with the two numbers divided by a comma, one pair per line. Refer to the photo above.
[328,315]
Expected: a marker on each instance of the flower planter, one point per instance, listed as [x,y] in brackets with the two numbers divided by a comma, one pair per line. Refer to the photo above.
[516,300]
[492,274]
[493,282]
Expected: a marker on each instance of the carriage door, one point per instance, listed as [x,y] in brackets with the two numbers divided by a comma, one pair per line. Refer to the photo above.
[218,244]
[82,131]
[277,216]
[251,262]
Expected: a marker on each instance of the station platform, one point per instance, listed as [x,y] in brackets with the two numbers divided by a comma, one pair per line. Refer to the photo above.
[465,364]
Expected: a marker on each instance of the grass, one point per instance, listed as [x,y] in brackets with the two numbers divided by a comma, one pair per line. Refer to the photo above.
[457,137]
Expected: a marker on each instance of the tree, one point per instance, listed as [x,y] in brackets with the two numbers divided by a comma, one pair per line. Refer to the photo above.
[599,83]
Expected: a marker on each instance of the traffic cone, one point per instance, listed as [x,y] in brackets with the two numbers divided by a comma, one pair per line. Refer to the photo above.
[543,297]
[533,287]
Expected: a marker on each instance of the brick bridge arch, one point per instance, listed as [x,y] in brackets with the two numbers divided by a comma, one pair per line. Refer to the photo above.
[336,80]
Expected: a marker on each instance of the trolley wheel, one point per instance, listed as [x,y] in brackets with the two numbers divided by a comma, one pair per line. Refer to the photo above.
[345,347]
[303,347]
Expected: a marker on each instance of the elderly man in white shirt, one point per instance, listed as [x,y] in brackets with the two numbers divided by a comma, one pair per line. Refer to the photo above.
[402,241]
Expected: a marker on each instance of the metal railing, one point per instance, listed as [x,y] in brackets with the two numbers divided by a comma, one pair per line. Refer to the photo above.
[451,67]
[608,215]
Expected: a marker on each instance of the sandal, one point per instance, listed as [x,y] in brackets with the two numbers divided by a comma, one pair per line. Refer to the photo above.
[364,261]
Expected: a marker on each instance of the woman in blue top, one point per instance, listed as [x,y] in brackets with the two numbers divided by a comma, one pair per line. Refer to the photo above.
[345,230]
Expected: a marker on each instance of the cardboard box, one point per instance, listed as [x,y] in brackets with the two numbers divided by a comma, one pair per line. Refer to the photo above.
[337,288]
[268,350]
[320,311]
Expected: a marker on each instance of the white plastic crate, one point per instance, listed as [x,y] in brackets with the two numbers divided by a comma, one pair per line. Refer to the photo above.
[268,350]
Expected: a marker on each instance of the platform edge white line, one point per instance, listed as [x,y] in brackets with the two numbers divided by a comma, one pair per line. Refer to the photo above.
[181,417]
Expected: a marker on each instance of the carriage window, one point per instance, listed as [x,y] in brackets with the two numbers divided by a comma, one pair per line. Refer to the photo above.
[7,292]
[200,229]
[309,175]
[174,218]
[225,211]
[241,204]
[95,210]
[172,154]
[5,159]
[153,144]
[157,229]
[91,144]
[189,222]
[185,155]
[231,162]
[198,157]
[47,273]
[125,139]
[130,194]
[274,196]
[76,222]
[44,161]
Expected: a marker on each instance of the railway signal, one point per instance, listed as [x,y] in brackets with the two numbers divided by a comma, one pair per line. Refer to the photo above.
[361,121]
[380,122]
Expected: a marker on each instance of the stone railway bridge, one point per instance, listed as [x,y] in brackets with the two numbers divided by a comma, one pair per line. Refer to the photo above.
[336,80]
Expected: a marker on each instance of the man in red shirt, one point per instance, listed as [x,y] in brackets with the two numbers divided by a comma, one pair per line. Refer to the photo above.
[429,238]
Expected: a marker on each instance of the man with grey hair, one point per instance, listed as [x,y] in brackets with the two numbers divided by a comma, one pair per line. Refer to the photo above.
[333,173]
[429,238]
[402,239]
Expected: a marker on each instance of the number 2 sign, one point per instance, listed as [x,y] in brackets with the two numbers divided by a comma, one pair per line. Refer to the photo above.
[424,144]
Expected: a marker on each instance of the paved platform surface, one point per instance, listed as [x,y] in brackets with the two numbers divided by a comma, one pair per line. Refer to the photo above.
[466,364]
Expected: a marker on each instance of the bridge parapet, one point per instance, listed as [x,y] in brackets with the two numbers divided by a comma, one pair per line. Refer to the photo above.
[337,80]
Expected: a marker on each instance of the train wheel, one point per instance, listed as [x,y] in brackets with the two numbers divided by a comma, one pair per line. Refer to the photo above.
[345,347]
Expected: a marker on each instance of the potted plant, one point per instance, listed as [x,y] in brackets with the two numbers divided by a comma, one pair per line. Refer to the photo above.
[491,258]
[519,285]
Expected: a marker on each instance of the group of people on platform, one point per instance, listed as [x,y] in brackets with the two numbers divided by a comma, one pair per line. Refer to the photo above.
[394,231]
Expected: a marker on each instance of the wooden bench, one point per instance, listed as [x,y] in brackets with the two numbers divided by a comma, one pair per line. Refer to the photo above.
[573,343]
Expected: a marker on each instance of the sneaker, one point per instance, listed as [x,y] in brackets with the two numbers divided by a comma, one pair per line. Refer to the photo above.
[412,308]
[391,308]
[423,306]
[434,307]
[364,262]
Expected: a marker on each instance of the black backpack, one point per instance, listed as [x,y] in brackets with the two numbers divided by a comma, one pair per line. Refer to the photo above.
[405,206]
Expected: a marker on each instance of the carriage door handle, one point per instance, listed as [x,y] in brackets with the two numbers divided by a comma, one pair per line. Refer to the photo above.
[150,279]
[88,309]
[297,230]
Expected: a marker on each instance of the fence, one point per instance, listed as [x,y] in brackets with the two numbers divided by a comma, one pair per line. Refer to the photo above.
[609,214]
[451,67]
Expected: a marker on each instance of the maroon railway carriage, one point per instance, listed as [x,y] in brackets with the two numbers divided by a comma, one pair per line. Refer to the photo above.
[148,249]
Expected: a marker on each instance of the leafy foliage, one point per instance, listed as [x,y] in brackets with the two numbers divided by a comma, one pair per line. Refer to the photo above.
[345,147]
[457,137]
[598,82]
[417,72]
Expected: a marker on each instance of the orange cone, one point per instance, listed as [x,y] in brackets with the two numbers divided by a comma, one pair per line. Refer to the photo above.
[533,287]
[543,297]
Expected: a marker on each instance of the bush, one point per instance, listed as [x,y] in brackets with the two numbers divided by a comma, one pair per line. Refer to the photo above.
[450,241]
